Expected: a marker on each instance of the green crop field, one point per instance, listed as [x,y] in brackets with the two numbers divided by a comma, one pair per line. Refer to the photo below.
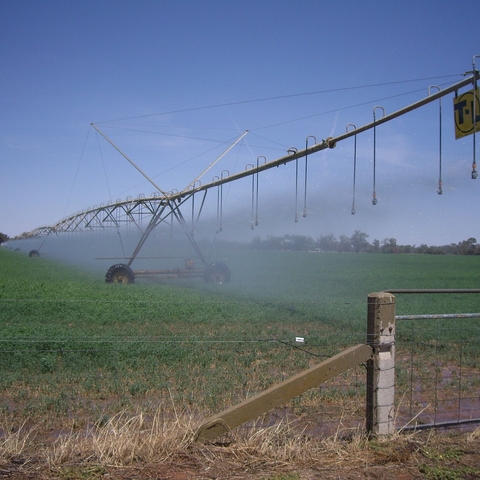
[75,346]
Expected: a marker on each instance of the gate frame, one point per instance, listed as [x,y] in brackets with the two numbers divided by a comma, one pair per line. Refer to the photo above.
[381,368]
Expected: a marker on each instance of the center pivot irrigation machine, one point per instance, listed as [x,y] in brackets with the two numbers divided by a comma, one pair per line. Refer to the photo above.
[164,207]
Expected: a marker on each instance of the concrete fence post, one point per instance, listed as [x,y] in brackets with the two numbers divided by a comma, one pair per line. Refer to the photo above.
[381,367]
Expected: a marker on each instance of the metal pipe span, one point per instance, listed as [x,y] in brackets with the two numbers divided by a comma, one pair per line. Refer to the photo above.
[331,142]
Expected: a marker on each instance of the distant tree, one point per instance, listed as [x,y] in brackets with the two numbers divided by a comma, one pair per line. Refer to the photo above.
[359,241]
[299,243]
[376,246]
[468,247]
[344,244]
[327,243]
[3,238]
[422,248]
[389,245]
[450,249]
[356,243]
[405,248]
[472,246]
[274,243]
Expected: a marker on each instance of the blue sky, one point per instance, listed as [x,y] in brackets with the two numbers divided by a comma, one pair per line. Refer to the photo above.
[143,72]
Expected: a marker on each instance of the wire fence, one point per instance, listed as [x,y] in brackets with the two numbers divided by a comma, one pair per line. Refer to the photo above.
[437,373]
[61,374]
[437,370]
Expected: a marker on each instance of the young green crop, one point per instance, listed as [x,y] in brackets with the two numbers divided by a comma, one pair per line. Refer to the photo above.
[71,342]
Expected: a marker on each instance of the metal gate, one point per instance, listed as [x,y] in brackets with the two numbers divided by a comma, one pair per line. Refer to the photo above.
[437,367]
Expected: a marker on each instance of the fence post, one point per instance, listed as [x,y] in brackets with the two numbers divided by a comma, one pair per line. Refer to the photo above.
[381,367]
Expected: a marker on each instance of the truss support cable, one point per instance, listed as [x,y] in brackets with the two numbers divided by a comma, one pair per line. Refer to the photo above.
[130,161]
[192,184]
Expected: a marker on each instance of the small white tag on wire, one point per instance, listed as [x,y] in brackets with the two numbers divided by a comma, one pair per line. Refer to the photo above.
[299,339]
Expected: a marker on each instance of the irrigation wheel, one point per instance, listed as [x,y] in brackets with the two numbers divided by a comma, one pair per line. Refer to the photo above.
[120,273]
[217,272]
[34,253]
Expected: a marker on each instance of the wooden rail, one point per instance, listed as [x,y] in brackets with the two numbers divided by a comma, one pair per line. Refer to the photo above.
[283,392]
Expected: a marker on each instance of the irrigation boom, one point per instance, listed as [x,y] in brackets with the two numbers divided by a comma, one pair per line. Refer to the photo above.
[331,142]
[163,205]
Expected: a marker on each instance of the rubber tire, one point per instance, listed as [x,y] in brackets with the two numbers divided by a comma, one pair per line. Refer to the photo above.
[34,253]
[120,273]
[217,272]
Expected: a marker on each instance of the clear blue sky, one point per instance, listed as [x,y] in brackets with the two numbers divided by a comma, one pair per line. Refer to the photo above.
[67,64]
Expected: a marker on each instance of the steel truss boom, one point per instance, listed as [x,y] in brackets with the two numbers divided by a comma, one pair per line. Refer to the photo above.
[163,205]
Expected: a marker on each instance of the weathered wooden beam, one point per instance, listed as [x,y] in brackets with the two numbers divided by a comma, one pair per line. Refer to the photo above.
[283,392]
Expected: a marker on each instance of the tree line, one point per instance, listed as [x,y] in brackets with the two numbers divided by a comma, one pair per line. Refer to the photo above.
[358,243]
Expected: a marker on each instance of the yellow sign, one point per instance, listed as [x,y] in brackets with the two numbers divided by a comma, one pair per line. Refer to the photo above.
[465,108]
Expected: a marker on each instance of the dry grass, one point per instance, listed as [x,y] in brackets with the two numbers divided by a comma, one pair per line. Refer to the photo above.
[14,441]
[126,440]
[135,442]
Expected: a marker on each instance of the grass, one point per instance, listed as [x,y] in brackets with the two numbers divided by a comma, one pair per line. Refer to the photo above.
[99,362]
[66,334]
[68,337]
[132,446]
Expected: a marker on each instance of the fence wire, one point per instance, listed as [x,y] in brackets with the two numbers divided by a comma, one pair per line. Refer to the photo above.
[437,370]
[59,373]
